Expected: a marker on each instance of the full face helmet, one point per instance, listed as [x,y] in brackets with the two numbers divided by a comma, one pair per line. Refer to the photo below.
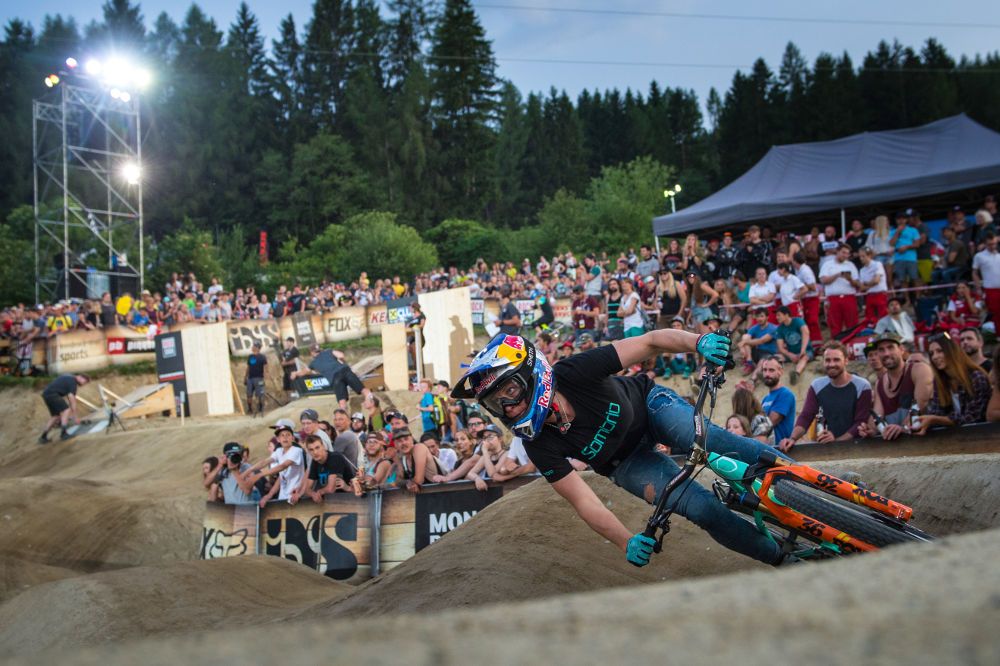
[505,372]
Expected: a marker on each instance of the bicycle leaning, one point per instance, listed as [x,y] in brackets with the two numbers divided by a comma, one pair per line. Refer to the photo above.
[784,499]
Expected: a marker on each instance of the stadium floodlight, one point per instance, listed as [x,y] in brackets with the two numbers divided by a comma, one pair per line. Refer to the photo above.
[131,173]
[125,97]
[51,80]
[142,78]
[117,72]
[115,93]
[94,67]
[71,63]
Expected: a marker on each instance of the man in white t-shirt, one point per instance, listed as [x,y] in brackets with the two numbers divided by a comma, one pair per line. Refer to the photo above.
[762,291]
[810,301]
[897,321]
[288,462]
[840,282]
[874,285]
[514,462]
[791,289]
[986,274]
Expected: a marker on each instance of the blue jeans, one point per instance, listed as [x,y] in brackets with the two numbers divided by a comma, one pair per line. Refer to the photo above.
[645,473]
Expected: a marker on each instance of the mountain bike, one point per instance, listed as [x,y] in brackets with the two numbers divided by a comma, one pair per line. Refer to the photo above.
[809,514]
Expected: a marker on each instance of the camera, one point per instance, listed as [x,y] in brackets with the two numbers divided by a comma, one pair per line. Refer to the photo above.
[235,457]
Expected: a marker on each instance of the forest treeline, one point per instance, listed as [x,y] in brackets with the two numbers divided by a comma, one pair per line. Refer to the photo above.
[400,111]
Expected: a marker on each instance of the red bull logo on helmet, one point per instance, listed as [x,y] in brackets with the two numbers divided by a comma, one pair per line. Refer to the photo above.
[514,341]
[545,399]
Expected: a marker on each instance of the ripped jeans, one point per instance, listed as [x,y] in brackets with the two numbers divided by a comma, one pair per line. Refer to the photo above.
[645,473]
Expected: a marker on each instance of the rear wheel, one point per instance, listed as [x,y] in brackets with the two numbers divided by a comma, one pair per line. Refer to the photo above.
[863,524]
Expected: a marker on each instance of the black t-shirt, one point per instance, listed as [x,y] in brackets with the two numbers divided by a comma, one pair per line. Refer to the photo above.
[61,386]
[335,463]
[610,415]
[295,302]
[326,364]
[108,314]
[509,311]
[255,366]
[288,355]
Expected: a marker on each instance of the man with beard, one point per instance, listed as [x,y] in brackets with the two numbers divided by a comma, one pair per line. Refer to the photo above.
[902,383]
[971,341]
[779,403]
[844,399]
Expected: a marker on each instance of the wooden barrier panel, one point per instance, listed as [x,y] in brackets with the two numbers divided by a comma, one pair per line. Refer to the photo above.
[348,323]
[229,530]
[243,334]
[206,366]
[376,317]
[395,367]
[76,351]
[334,538]
[126,345]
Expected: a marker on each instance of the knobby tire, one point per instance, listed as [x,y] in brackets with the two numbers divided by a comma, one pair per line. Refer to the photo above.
[856,522]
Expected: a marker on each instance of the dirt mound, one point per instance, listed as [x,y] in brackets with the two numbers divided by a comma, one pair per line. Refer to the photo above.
[920,603]
[528,545]
[156,601]
[17,575]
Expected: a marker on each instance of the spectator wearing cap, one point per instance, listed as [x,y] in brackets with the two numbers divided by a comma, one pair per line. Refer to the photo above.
[903,383]
[905,240]
[288,462]
[414,463]
[874,361]
[758,341]
[840,282]
[491,450]
[234,479]
[309,425]
[873,283]
[986,275]
[509,319]
[346,441]
[584,309]
[897,321]
[378,468]
[358,426]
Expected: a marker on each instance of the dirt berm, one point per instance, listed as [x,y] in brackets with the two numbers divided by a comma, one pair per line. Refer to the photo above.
[917,604]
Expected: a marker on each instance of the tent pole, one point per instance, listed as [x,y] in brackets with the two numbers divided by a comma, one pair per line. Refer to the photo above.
[656,239]
[843,223]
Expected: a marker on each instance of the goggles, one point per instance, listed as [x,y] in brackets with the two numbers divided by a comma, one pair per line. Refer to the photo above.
[506,394]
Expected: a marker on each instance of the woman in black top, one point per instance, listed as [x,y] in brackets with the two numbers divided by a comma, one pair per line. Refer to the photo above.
[615,330]
[581,409]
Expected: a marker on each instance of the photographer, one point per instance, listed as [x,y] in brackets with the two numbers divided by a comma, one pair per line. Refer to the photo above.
[234,478]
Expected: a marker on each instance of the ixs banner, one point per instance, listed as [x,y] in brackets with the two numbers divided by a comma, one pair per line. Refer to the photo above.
[243,334]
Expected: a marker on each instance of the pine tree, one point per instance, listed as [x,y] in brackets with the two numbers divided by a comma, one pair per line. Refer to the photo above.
[286,78]
[409,32]
[464,92]
[326,61]
[17,78]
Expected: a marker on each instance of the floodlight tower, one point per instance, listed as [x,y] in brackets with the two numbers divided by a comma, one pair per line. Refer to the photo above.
[87,157]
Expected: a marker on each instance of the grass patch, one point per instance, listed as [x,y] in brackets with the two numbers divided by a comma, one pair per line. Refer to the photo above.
[367,343]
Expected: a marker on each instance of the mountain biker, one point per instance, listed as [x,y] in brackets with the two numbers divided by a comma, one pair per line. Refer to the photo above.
[579,409]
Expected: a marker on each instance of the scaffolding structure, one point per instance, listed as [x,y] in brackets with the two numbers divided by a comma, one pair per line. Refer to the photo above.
[88,214]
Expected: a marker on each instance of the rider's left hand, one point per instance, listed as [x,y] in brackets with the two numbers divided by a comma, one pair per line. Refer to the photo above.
[640,547]
[715,348]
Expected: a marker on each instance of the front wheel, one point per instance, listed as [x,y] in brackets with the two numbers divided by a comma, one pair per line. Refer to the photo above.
[856,521]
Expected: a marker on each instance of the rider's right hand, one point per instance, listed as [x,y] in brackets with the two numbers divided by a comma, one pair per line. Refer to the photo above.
[640,547]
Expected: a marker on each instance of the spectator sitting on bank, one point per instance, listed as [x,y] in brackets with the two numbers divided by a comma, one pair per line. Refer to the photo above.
[965,308]
[903,383]
[745,404]
[874,362]
[961,388]
[329,472]
[347,441]
[758,341]
[738,425]
[415,465]
[288,462]
[235,478]
[897,321]
[971,341]
[209,468]
[491,445]
[792,337]
[514,462]
[840,402]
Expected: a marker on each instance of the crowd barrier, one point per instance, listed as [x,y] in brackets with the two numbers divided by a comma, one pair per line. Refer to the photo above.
[347,538]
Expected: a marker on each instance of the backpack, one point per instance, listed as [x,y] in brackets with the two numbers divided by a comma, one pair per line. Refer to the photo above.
[440,413]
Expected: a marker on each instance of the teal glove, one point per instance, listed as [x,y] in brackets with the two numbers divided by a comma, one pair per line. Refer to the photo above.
[640,547]
[715,348]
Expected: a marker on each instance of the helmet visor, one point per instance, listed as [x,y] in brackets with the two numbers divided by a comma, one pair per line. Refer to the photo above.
[509,392]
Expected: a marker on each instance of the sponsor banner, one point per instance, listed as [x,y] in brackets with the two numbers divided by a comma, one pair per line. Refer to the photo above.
[334,537]
[302,325]
[439,513]
[76,351]
[376,317]
[170,363]
[527,310]
[398,310]
[316,320]
[316,385]
[562,309]
[242,335]
[347,323]
[478,307]
[125,345]
[229,530]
